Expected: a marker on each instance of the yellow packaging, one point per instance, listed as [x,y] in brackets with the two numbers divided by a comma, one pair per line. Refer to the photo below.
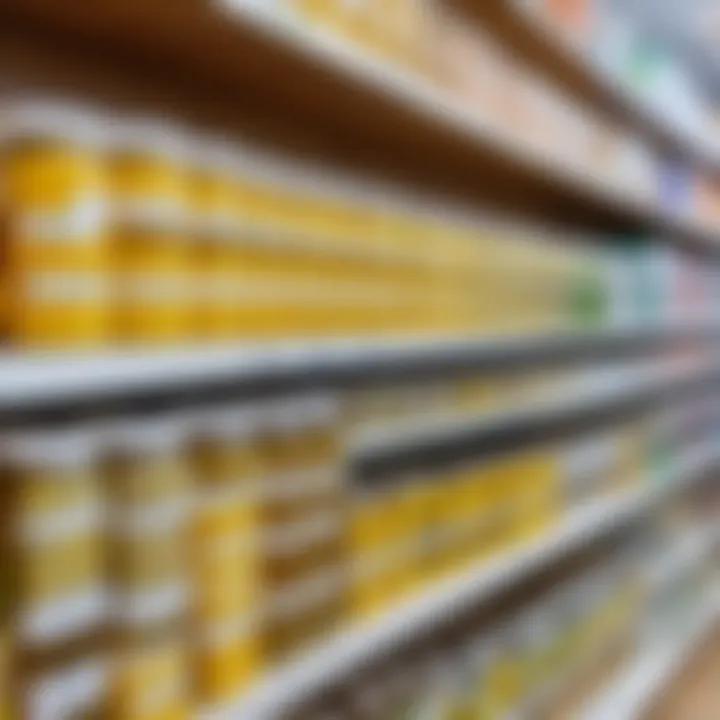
[542,490]
[148,487]
[441,507]
[150,242]
[227,660]
[271,257]
[152,682]
[254,260]
[290,274]
[57,553]
[315,10]
[400,560]
[145,468]
[205,245]
[214,242]
[315,263]
[462,509]
[330,307]
[303,523]
[495,524]
[57,258]
[412,516]
[369,528]
[372,533]
[226,533]
[477,513]
[503,678]
[526,498]
[470,503]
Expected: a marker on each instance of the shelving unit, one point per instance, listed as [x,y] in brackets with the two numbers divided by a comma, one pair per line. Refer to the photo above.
[556,57]
[338,98]
[632,693]
[234,67]
[691,551]
[28,382]
[289,686]
[384,452]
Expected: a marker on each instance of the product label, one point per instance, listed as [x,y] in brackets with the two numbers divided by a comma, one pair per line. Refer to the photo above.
[82,222]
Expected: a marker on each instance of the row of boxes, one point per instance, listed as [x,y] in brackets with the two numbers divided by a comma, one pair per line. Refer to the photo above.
[474,670]
[530,660]
[407,532]
[129,232]
[168,559]
[134,543]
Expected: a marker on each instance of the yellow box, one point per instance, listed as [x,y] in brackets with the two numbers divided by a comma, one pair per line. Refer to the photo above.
[150,239]
[215,227]
[57,256]
[226,583]
[152,682]
[227,661]
[503,680]
[53,494]
[373,520]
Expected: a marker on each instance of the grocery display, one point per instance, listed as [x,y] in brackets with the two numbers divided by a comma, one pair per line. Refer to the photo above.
[210,544]
[475,69]
[621,45]
[657,75]
[131,233]
[472,68]
[525,658]
[489,674]
[359,361]
[681,548]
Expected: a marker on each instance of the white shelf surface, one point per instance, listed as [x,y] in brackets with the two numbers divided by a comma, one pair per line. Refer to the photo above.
[638,684]
[31,379]
[635,380]
[690,551]
[290,685]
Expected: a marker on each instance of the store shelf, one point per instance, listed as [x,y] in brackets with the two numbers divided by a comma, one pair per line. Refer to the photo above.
[565,410]
[428,104]
[542,702]
[567,64]
[240,65]
[632,693]
[31,382]
[690,552]
[425,101]
[338,658]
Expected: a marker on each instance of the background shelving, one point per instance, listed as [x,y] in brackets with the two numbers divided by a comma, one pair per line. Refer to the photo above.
[345,106]
[566,441]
